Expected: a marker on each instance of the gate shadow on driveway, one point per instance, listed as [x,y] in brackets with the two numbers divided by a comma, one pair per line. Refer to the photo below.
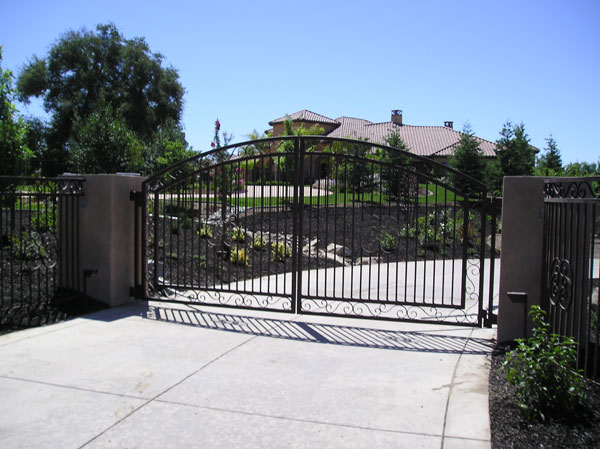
[402,340]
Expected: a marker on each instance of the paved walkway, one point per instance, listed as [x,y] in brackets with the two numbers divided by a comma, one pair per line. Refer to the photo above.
[155,375]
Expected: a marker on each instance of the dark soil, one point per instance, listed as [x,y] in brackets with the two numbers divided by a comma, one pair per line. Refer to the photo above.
[510,430]
[184,259]
[29,286]
[23,316]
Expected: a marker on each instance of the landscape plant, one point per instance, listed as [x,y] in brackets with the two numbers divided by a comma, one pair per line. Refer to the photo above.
[238,256]
[205,231]
[542,369]
[238,235]
[259,242]
[28,247]
[387,241]
[434,229]
[281,251]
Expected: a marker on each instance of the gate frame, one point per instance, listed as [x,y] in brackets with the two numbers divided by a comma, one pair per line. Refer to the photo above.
[489,206]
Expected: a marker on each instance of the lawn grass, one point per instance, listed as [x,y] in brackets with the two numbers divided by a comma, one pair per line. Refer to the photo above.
[437,194]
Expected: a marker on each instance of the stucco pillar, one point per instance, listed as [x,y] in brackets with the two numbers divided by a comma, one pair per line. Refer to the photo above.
[106,239]
[521,267]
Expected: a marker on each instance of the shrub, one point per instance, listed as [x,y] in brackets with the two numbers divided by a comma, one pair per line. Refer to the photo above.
[238,256]
[541,369]
[29,247]
[387,241]
[205,231]
[281,251]
[44,220]
[200,259]
[259,242]
[238,235]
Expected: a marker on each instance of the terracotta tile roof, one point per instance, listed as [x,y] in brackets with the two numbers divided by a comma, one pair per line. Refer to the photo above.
[305,116]
[421,140]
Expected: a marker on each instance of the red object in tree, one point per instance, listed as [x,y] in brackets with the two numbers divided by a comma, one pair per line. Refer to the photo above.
[212,144]
[218,124]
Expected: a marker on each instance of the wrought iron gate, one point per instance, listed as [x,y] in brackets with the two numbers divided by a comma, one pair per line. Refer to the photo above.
[39,247]
[571,264]
[310,224]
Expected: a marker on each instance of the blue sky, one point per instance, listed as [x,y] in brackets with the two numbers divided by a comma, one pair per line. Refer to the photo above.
[536,62]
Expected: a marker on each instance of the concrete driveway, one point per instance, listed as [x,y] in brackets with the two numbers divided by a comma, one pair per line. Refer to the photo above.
[156,375]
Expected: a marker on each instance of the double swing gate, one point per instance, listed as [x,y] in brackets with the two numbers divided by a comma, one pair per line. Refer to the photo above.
[318,225]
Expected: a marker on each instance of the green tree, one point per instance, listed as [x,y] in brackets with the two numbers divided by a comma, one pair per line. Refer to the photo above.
[467,159]
[579,169]
[257,148]
[36,141]
[102,143]
[85,71]
[514,155]
[396,182]
[167,146]
[14,153]
[550,163]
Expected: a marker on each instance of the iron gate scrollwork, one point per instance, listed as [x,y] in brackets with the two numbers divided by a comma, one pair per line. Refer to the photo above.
[39,248]
[571,264]
[317,225]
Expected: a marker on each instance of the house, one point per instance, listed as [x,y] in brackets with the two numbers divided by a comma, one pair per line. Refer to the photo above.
[436,142]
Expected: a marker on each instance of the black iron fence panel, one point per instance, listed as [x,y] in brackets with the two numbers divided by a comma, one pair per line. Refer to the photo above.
[39,253]
[323,226]
[571,264]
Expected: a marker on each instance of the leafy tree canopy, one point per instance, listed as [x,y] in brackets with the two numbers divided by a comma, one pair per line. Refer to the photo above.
[14,152]
[579,169]
[102,143]
[88,71]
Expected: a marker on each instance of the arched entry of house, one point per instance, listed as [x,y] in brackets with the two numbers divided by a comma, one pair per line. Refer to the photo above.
[386,234]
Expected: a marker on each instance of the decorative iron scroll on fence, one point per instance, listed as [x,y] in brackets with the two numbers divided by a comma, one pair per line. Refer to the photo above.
[316,225]
[571,264]
[39,253]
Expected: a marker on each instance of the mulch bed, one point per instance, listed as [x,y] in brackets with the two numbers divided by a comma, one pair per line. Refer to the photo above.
[510,430]
[18,317]
[185,259]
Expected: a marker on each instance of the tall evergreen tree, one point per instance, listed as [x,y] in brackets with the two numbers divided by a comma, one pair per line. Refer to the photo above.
[467,159]
[514,156]
[550,163]
[394,180]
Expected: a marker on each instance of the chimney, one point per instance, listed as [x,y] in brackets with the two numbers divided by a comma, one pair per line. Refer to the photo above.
[448,124]
[397,116]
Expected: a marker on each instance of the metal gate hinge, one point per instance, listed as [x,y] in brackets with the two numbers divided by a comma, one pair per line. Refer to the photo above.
[137,197]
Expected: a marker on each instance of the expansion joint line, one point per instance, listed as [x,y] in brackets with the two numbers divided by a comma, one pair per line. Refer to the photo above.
[206,365]
[451,387]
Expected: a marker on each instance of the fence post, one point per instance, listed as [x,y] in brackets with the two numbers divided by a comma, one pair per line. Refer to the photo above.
[106,224]
[522,252]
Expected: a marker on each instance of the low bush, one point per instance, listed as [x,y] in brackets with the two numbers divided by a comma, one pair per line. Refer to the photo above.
[238,256]
[281,251]
[259,242]
[387,242]
[542,369]
[238,235]
[205,232]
